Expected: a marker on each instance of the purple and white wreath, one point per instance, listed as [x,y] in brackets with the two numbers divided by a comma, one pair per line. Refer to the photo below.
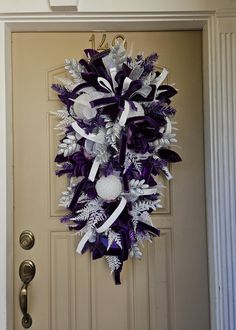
[117,133]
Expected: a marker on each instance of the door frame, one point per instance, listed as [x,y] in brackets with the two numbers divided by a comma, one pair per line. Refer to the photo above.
[218,76]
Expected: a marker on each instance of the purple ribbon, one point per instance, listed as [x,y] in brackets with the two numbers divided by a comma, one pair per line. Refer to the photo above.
[123,145]
[126,183]
[117,277]
[77,193]
[103,101]
[152,230]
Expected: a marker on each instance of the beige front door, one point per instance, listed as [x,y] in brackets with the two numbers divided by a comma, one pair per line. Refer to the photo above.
[168,289]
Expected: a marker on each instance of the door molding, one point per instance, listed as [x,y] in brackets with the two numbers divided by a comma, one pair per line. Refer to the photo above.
[219,75]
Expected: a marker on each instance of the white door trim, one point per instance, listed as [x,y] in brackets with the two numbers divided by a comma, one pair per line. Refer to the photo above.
[220,150]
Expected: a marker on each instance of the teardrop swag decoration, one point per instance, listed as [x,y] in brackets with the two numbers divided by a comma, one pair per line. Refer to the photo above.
[117,130]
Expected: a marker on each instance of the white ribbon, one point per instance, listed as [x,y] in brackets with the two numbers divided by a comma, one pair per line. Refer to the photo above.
[83,241]
[94,170]
[126,84]
[112,218]
[124,114]
[167,173]
[99,138]
[160,80]
[113,72]
[105,84]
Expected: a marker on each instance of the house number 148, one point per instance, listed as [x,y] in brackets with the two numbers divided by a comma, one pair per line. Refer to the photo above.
[103,45]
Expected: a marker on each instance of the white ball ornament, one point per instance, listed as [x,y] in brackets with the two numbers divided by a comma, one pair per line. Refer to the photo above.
[108,187]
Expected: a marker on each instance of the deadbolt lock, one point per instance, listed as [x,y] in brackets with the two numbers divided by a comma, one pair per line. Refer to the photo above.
[26,240]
